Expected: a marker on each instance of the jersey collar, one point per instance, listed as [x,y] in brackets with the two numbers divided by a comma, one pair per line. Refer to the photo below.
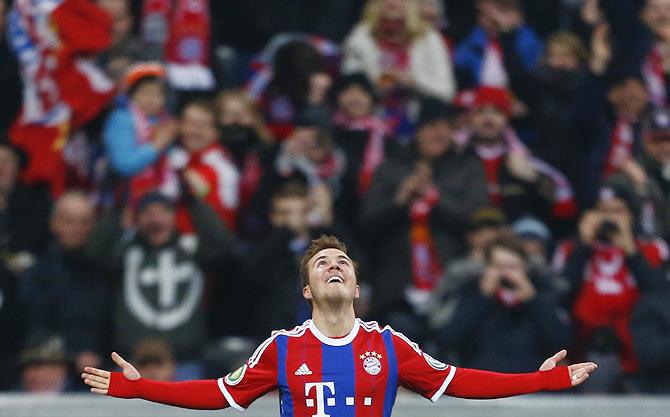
[341,341]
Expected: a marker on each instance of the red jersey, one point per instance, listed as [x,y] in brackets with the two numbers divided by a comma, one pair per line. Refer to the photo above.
[320,376]
[356,375]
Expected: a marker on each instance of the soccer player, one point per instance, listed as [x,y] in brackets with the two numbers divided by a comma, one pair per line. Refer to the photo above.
[334,364]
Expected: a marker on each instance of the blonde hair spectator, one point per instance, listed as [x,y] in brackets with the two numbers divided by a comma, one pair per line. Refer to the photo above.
[415,26]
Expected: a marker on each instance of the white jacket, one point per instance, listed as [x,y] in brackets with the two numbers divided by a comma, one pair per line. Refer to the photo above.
[430,61]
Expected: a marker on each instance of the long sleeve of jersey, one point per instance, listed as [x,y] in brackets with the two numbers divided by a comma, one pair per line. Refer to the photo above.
[201,395]
[238,389]
[419,372]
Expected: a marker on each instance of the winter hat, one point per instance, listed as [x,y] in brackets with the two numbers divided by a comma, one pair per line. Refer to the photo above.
[493,96]
[433,109]
[355,79]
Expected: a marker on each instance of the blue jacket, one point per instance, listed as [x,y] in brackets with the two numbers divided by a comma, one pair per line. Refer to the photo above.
[126,155]
[469,55]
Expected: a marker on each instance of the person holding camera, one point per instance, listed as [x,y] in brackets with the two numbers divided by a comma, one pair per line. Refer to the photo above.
[510,309]
[608,266]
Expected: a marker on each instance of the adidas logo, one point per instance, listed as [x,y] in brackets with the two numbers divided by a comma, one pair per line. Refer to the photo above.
[303,370]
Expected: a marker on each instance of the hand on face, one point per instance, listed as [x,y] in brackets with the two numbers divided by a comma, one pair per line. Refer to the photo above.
[415,184]
[490,281]
[521,167]
[588,226]
[520,284]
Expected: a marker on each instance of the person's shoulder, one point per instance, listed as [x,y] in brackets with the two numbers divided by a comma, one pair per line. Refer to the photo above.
[396,336]
[268,345]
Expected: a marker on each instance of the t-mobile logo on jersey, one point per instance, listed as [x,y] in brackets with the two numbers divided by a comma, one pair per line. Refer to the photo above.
[330,401]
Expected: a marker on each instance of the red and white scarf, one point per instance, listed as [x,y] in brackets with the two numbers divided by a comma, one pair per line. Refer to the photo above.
[187,41]
[373,154]
[564,204]
[426,265]
[654,77]
[621,147]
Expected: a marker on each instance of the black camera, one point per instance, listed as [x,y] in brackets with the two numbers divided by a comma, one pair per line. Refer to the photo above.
[606,231]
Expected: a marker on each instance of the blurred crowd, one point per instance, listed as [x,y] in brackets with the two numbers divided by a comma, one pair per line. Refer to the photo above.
[499,168]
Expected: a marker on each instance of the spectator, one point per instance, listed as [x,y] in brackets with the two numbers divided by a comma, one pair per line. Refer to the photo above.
[66,273]
[535,237]
[308,155]
[656,15]
[296,217]
[416,209]
[245,135]
[243,130]
[299,79]
[161,274]
[12,324]
[154,359]
[651,339]
[484,226]
[558,92]
[137,135]
[24,210]
[517,182]
[362,134]
[44,367]
[511,310]
[210,171]
[401,54]
[501,33]
[648,175]
[608,266]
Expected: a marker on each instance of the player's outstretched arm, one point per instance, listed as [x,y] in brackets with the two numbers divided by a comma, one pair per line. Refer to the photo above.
[473,383]
[204,395]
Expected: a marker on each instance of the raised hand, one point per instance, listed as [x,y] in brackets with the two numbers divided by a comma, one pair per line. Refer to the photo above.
[98,379]
[578,372]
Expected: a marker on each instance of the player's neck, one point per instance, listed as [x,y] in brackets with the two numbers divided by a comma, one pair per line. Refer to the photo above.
[334,322]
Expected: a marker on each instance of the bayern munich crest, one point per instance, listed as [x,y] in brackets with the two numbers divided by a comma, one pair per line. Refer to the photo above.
[371,362]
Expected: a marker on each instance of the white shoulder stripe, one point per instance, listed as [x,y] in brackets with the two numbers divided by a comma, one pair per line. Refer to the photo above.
[229,398]
[372,326]
[258,353]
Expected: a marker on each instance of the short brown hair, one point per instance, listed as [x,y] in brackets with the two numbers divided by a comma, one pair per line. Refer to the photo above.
[506,241]
[317,245]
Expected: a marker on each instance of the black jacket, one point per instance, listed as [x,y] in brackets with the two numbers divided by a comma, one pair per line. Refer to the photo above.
[12,328]
[485,334]
[386,226]
[67,293]
[650,326]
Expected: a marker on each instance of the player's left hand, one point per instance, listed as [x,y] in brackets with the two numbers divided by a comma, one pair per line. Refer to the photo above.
[579,372]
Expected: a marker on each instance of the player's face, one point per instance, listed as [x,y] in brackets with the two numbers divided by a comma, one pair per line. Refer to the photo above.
[332,279]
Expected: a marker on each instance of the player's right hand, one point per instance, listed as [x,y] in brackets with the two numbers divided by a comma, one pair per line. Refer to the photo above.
[99,379]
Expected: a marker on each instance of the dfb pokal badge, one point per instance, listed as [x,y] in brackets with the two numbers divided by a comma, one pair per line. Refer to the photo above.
[371,362]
